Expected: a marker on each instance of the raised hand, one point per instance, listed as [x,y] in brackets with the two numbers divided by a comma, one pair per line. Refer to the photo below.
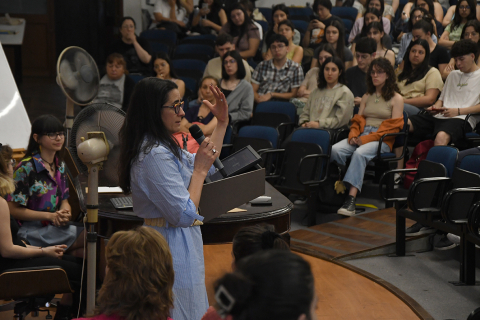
[220,109]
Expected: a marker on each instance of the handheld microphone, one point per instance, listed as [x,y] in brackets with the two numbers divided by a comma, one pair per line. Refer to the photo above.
[197,134]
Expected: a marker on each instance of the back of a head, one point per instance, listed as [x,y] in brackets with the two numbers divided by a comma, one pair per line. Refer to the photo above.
[366,45]
[139,281]
[273,284]
[223,38]
[424,25]
[250,240]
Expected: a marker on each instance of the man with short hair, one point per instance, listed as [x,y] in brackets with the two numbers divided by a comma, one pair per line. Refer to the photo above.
[278,78]
[365,51]
[460,96]
[223,44]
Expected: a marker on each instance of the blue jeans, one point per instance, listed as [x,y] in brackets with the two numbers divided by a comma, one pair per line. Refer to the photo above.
[342,150]
[410,110]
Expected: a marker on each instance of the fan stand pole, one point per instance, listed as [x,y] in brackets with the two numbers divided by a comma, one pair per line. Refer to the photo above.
[92,219]
[69,116]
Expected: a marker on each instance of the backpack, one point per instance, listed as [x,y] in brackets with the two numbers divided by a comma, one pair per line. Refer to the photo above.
[419,153]
[329,199]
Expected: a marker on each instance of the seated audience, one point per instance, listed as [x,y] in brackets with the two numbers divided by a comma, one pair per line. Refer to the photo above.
[171,15]
[417,14]
[135,50]
[330,106]
[162,69]
[316,28]
[310,83]
[459,97]
[223,44]
[366,49]
[335,35]
[359,23]
[139,277]
[237,90]
[15,253]
[279,13]
[278,78]
[429,6]
[381,112]
[380,5]
[116,86]
[419,83]
[464,11]
[40,199]
[201,114]
[273,284]
[372,15]
[438,10]
[250,9]
[451,13]
[294,53]
[471,31]
[209,18]
[246,35]
[375,31]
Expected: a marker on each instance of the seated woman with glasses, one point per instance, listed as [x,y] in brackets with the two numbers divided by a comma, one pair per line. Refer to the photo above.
[465,11]
[40,199]
[381,112]
[237,90]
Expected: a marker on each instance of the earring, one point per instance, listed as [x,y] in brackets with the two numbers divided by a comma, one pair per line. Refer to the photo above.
[40,148]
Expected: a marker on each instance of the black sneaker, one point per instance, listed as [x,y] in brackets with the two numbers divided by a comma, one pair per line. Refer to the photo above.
[348,208]
[418,229]
[445,244]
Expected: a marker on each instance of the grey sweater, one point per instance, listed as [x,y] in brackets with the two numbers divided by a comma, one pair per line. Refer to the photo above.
[240,101]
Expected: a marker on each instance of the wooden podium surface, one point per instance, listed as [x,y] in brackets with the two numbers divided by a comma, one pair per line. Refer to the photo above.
[219,230]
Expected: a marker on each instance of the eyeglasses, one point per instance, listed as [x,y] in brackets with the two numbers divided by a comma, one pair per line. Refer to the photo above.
[464,8]
[376,73]
[279,47]
[176,106]
[54,135]
[232,61]
[362,56]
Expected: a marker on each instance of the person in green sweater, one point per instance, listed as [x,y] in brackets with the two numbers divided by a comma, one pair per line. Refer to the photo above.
[330,105]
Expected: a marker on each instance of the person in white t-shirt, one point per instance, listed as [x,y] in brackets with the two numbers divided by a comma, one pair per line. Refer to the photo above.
[460,96]
[170,14]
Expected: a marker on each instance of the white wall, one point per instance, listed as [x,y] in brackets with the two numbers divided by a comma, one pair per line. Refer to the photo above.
[133,8]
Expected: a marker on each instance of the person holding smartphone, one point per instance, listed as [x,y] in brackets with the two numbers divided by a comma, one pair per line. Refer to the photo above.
[210,18]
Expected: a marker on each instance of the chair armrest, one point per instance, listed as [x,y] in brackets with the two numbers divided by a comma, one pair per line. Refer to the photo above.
[237,125]
[395,134]
[473,222]
[267,157]
[383,181]
[323,157]
[289,126]
[448,198]
[227,145]
[413,191]
[466,123]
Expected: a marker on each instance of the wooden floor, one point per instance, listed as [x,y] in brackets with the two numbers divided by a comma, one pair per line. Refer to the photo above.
[343,293]
[342,238]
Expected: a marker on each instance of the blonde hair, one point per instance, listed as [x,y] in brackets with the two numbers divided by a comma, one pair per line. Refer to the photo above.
[140,276]
[6,183]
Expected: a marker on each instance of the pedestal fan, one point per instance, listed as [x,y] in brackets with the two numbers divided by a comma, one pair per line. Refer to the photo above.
[77,75]
[94,136]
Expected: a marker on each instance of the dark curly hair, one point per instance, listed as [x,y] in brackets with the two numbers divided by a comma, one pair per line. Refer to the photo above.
[390,86]
[322,83]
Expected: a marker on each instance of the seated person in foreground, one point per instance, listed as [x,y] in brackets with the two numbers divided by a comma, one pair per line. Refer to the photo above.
[459,97]
[116,86]
[139,277]
[223,44]
[330,106]
[135,50]
[381,112]
[278,78]
[366,49]
[419,83]
[237,90]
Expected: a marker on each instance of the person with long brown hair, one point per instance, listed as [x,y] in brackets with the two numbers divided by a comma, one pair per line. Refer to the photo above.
[381,112]
[139,277]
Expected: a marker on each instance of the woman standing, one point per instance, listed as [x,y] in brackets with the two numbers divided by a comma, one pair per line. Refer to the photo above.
[237,90]
[135,50]
[375,31]
[210,17]
[330,106]
[419,83]
[381,112]
[162,68]
[245,34]
[295,53]
[166,182]
[40,199]
[464,11]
